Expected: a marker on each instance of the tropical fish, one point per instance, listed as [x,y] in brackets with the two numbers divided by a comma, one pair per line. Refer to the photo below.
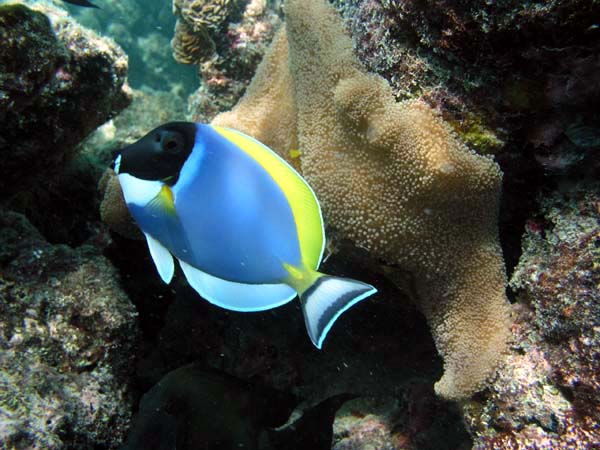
[196,408]
[85,3]
[312,430]
[246,228]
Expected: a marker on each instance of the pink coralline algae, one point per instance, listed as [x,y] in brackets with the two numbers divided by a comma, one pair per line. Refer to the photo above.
[547,396]
[370,432]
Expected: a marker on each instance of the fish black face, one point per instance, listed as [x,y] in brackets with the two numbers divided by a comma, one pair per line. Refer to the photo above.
[160,154]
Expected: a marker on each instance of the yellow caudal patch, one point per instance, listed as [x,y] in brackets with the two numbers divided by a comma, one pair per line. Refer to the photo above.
[301,198]
[300,278]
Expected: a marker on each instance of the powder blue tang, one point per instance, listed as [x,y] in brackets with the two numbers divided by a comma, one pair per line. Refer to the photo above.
[246,228]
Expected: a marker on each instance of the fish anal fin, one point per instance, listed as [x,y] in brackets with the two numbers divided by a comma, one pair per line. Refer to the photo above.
[236,296]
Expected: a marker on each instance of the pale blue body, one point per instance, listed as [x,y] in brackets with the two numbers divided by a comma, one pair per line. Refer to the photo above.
[230,223]
[232,219]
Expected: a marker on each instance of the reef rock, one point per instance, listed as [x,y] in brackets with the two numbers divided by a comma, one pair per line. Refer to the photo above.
[58,82]
[499,71]
[67,335]
[415,419]
[547,395]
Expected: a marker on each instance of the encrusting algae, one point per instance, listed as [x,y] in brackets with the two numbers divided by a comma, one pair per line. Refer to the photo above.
[393,178]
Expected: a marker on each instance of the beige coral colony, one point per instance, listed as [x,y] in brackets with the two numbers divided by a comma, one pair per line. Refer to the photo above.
[392,177]
[195,19]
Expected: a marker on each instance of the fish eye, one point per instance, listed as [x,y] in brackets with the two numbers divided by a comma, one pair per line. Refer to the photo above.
[172,142]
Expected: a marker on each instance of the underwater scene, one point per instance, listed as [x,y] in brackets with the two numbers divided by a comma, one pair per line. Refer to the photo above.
[299,224]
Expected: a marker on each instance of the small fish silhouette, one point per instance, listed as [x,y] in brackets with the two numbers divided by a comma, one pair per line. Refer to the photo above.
[85,3]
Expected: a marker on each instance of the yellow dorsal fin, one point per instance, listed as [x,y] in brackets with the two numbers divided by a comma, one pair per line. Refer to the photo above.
[301,198]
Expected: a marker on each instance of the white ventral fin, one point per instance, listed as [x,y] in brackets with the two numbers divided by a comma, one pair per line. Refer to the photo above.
[163,260]
[237,296]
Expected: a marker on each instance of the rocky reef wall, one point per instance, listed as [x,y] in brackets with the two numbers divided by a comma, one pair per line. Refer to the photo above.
[443,137]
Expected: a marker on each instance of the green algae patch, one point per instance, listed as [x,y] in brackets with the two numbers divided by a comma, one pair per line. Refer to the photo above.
[482,139]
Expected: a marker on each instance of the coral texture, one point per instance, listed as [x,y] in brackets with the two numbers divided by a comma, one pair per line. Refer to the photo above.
[58,82]
[509,76]
[67,335]
[203,13]
[113,210]
[196,20]
[190,46]
[267,111]
[547,396]
[238,49]
[395,180]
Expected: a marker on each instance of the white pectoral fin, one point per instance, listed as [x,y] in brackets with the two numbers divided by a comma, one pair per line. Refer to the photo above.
[237,296]
[137,191]
[163,260]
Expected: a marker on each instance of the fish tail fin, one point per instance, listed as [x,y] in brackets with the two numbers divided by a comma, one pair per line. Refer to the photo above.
[324,298]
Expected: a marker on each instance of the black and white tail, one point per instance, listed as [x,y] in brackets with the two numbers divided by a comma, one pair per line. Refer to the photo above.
[326,299]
